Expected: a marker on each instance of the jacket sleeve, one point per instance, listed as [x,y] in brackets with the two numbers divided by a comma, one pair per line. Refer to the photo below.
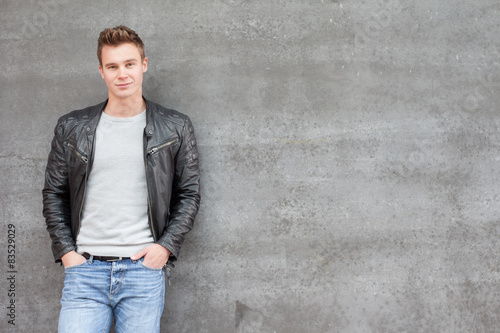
[185,199]
[56,198]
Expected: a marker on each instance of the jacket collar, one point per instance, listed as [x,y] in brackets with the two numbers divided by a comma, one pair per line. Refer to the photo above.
[150,110]
[94,115]
[96,111]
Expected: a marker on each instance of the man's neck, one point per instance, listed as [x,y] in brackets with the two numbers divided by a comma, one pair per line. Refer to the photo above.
[124,108]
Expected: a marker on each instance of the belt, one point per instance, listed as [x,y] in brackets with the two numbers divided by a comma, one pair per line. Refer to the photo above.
[104,258]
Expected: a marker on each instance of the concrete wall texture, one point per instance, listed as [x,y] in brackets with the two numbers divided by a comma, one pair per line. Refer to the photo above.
[349,149]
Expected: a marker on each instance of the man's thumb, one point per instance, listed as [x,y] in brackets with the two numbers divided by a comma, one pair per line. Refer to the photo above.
[138,255]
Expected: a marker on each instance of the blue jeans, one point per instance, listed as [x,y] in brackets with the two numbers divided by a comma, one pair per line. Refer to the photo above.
[96,291]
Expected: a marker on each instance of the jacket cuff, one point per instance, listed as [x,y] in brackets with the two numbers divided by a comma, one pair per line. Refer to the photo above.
[166,242]
[59,254]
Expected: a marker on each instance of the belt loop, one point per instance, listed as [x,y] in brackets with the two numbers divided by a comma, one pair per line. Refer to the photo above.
[88,256]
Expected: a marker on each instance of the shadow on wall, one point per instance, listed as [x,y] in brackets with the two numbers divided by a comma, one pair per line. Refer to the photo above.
[248,320]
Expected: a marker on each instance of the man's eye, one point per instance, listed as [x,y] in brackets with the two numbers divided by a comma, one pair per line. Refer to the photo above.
[130,65]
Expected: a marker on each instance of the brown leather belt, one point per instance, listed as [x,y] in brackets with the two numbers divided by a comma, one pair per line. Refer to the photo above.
[103,258]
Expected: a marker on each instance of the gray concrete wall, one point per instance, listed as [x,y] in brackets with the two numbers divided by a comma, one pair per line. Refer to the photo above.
[349,149]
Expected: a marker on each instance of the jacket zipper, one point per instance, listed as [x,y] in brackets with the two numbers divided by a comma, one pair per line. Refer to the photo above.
[151,152]
[84,190]
[81,155]
[151,217]
[154,150]
[150,214]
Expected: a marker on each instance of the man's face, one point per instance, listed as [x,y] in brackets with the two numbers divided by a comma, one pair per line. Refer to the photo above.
[123,69]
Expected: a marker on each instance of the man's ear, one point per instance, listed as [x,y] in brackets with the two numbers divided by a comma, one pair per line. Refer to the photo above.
[145,65]
[100,70]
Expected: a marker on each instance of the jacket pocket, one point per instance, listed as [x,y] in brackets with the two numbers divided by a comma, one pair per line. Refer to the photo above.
[81,155]
[164,145]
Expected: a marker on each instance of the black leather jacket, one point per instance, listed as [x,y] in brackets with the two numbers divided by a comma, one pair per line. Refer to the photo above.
[172,176]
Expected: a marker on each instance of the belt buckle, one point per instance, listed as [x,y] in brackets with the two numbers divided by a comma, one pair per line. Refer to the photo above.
[117,259]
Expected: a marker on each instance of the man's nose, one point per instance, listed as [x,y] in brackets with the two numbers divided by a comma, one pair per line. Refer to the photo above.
[122,73]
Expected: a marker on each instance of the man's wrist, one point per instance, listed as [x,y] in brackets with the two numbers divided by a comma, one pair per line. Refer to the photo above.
[72,258]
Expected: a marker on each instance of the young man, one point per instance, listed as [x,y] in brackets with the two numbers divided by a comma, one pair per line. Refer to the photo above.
[121,192]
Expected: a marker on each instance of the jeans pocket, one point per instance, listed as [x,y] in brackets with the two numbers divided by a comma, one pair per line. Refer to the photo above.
[75,266]
[141,262]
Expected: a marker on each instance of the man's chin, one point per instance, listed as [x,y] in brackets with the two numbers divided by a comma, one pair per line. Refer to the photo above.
[124,94]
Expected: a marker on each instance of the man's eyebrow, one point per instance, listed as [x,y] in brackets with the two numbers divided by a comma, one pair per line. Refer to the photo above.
[128,60]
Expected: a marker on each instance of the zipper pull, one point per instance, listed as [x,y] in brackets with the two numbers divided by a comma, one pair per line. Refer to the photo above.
[168,275]
[168,266]
[153,150]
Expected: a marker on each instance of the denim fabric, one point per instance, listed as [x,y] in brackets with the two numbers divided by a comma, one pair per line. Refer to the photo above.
[96,291]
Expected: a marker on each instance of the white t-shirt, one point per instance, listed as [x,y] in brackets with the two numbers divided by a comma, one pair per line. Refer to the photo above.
[115,212]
